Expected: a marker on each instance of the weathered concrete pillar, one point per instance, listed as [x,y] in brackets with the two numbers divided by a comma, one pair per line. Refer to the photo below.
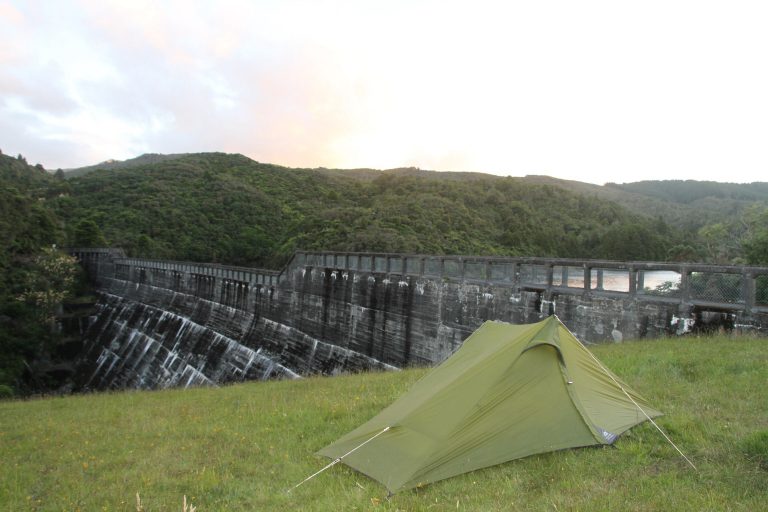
[749,292]
[633,277]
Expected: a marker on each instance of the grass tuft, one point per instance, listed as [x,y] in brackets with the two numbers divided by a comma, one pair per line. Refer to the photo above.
[755,448]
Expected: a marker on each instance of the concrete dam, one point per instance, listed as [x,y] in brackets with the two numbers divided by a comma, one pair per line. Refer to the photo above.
[163,323]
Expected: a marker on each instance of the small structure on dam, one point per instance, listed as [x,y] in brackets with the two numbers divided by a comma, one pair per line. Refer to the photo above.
[165,323]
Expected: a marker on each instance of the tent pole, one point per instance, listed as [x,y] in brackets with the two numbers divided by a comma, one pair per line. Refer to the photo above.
[310,477]
[631,399]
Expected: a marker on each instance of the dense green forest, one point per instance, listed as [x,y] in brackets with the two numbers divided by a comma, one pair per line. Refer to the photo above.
[34,277]
[230,209]
[216,207]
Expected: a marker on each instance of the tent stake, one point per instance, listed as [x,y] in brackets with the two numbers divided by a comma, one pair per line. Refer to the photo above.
[633,400]
[310,477]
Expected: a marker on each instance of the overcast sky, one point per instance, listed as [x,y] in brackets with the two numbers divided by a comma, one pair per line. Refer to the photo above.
[594,91]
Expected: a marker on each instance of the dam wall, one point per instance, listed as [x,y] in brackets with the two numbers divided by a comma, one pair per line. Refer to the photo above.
[163,323]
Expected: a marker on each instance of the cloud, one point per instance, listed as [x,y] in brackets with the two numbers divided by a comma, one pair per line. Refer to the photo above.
[596,91]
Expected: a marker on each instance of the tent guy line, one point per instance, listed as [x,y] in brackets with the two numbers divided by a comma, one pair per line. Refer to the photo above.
[636,404]
[310,477]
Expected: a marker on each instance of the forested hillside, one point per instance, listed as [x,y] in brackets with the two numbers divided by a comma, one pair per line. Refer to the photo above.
[694,205]
[729,219]
[230,209]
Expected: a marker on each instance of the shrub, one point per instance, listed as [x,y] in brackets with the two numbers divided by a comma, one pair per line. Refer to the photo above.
[5,391]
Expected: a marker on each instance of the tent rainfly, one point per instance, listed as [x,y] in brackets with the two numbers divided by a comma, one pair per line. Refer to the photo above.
[510,391]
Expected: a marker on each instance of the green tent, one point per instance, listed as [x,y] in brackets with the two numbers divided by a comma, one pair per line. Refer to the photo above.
[510,391]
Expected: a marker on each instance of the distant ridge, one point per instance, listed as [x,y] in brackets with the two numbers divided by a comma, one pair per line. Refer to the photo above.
[371,174]
[689,191]
[109,165]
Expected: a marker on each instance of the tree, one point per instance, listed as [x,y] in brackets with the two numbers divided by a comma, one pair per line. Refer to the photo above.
[33,289]
[755,244]
[720,244]
[682,252]
[632,241]
[49,280]
[88,234]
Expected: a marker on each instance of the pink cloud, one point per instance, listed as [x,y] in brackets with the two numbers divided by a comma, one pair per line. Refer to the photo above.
[10,14]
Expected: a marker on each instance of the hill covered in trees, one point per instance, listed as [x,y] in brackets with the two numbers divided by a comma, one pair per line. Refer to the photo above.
[729,219]
[230,209]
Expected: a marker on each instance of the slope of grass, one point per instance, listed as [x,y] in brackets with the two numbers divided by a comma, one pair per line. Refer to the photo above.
[242,447]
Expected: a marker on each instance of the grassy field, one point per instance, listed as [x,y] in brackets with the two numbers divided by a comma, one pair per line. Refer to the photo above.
[242,447]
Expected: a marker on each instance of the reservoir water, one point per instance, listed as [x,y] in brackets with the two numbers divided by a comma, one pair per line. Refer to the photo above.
[618,280]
